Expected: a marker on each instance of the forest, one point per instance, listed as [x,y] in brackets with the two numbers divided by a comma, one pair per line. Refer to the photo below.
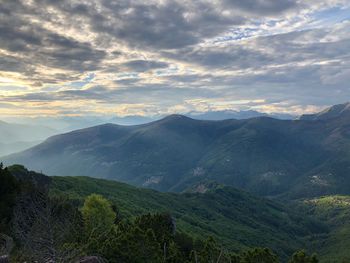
[38,225]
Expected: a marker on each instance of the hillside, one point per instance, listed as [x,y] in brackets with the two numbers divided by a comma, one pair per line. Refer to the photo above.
[266,156]
[332,210]
[238,219]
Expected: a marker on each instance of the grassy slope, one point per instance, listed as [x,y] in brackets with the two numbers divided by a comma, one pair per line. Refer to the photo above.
[335,211]
[236,218]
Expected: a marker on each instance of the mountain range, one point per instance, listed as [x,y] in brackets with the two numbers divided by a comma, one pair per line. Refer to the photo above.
[270,157]
[69,123]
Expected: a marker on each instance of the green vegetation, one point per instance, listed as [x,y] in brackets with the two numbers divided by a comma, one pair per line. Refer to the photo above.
[84,216]
[335,212]
[235,218]
[8,191]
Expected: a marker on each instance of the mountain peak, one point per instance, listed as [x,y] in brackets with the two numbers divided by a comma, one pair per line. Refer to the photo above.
[332,112]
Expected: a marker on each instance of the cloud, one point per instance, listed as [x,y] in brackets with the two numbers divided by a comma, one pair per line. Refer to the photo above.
[172,55]
[144,65]
[262,7]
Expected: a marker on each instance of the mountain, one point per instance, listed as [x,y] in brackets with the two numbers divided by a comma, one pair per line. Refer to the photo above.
[69,123]
[231,114]
[13,132]
[336,111]
[9,148]
[18,137]
[266,156]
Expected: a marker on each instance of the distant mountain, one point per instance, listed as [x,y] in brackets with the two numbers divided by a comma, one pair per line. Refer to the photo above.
[13,132]
[70,123]
[269,157]
[9,148]
[336,111]
[230,114]
[18,137]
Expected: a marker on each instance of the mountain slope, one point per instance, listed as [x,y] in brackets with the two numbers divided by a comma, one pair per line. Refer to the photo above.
[238,219]
[340,110]
[333,211]
[263,155]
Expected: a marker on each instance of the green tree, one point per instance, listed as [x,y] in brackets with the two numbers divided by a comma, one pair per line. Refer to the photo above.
[162,224]
[99,219]
[184,243]
[301,257]
[259,255]
[131,244]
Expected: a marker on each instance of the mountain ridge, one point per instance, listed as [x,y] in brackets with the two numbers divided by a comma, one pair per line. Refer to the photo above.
[269,157]
[335,111]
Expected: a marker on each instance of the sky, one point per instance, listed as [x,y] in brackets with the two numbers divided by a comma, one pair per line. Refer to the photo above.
[131,57]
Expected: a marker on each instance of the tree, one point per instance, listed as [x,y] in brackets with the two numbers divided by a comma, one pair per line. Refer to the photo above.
[163,227]
[43,226]
[210,252]
[301,257]
[99,218]
[130,243]
[259,255]
[9,188]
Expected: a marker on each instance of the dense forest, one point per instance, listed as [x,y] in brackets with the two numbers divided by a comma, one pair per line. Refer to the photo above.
[39,225]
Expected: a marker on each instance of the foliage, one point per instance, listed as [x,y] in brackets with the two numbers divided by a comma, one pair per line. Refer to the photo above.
[261,255]
[53,228]
[333,210]
[98,216]
[234,218]
[302,257]
[9,188]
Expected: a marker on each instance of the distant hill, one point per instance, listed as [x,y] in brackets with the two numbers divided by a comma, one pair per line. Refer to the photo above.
[269,157]
[18,137]
[9,148]
[13,132]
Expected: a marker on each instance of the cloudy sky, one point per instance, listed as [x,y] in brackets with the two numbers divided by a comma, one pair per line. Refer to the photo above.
[126,57]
